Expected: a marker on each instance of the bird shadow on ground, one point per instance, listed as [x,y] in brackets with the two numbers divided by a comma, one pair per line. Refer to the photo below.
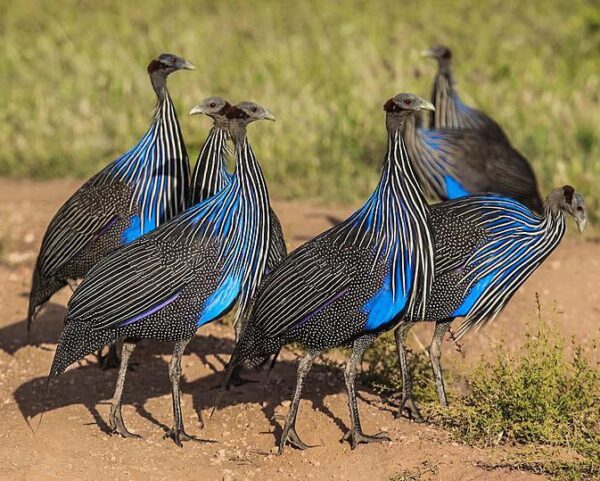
[87,385]
[44,330]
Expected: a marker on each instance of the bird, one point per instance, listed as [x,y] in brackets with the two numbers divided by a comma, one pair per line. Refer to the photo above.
[452,163]
[486,247]
[464,151]
[349,283]
[186,273]
[140,190]
[450,110]
[210,176]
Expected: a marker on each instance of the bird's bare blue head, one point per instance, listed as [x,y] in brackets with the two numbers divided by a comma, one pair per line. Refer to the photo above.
[163,65]
[441,53]
[568,200]
[214,107]
[240,115]
[167,63]
[400,107]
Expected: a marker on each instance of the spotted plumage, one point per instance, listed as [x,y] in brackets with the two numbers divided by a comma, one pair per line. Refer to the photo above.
[353,281]
[128,198]
[486,247]
[186,273]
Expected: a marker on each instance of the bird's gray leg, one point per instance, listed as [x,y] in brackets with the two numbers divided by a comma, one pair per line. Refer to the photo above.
[116,418]
[289,434]
[177,432]
[355,434]
[408,401]
[435,354]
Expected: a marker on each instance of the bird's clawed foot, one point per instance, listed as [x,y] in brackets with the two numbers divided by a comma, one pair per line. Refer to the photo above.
[117,425]
[290,436]
[412,410]
[180,436]
[356,437]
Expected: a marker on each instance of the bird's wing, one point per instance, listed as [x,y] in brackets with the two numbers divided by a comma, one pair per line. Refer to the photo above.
[84,218]
[305,283]
[134,282]
[277,249]
[485,164]
[514,175]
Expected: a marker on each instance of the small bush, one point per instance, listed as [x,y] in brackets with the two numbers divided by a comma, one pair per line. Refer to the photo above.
[383,372]
[545,401]
[541,396]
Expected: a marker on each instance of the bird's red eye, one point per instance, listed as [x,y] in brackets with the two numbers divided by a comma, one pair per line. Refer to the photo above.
[407,102]
[173,60]
[213,105]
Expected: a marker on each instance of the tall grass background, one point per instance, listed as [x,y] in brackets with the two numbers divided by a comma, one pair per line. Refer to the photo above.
[75,94]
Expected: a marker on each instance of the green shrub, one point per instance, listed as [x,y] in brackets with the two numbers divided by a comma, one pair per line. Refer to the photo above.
[542,396]
[545,401]
[383,372]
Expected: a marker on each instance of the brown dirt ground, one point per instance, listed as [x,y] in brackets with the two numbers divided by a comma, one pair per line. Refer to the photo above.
[72,443]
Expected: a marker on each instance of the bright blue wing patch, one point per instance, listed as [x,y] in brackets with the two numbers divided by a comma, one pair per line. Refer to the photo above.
[385,305]
[454,189]
[476,291]
[133,231]
[221,300]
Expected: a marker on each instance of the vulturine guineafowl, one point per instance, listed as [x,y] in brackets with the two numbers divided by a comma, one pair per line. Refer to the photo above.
[450,111]
[486,247]
[186,273]
[130,197]
[210,175]
[464,151]
[352,282]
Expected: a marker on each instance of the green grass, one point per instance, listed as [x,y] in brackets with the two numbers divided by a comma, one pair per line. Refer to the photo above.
[75,95]
[542,400]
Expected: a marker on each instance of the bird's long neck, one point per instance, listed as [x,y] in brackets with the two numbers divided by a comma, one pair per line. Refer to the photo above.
[396,219]
[553,217]
[253,221]
[443,96]
[248,175]
[157,168]
[210,174]
[158,79]
[419,155]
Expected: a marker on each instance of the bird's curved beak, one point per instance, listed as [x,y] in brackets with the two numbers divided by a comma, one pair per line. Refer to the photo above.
[268,115]
[427,106]
[197,110]
[187,65]
[581,222]
[427,53]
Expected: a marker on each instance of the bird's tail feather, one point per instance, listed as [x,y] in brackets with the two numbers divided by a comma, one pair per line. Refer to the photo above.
[77,340]
[42,289]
